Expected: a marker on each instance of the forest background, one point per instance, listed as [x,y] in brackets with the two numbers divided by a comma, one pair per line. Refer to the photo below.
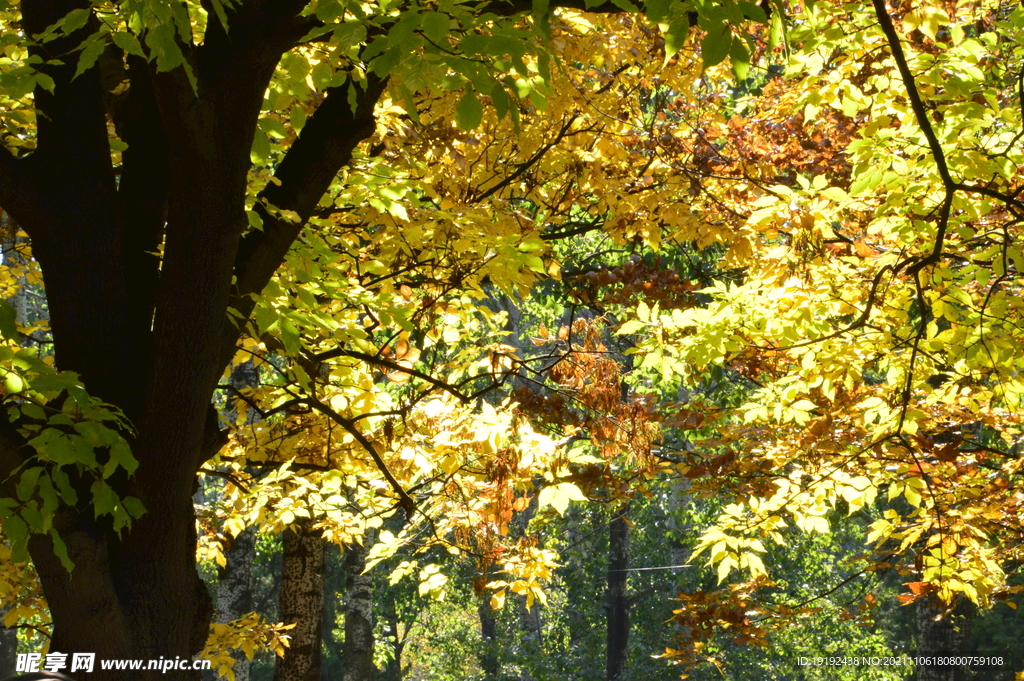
[551,340]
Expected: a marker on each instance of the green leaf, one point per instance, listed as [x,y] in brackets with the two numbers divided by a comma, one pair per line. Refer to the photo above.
[273,127]
[260,148]
[715,46]
[437,27]
[92,49]
[61,550]
[13,383]
[658,10]
[675,36]
[218,9]
[28,482]
[67,492]
[134,507]
[502,102]
[255,221]
[45,82]
[76,19]
[8,322]
[469,112]
[104,498]
[129,43]
[322,75]
[15,529]
[740,59]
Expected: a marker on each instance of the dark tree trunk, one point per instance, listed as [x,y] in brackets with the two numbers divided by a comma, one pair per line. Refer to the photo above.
[302,601]
[358,614]
[530,627]
[152,336]
[489,661]
[941,636]
[618,600]
[395,670]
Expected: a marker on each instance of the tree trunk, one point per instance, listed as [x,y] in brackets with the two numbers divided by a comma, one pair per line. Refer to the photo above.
[678,552]
[302,601]
[150,334]
[234,589]
[359,640]
[530,626]
[234,585]
[400,636]
[489,661]
[618,600]
[942,636]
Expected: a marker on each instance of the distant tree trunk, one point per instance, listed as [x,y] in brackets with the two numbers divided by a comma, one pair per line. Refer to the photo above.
[395,671]
[529,618]
[488,652]
[530,625]
[302,601]
[234,589]
[618,600]
[576,589]
[358,614]
[946,636]
[678,552]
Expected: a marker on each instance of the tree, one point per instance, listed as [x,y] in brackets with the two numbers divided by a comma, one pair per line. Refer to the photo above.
[875,203]
[166,160]
[134,129]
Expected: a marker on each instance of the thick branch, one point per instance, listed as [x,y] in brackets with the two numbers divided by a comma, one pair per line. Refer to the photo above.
[394,366]
[311,164]
[916,103]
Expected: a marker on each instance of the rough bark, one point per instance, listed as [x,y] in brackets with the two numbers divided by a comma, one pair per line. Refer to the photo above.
[234,589]
[359,640]
[941,636]
[302,601]
[618,599]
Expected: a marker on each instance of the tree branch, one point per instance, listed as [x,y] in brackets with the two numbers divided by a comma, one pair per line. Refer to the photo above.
[350,427]
[305,174]
[394,366]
